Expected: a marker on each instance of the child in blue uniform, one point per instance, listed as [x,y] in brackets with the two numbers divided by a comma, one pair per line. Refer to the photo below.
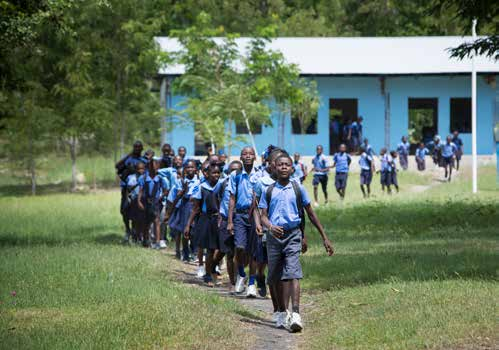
[386,170]
[366,147]
[321,170]
[206,202]
[241,219]
[226,240]
[448,152]
[300,169]
[152,188]
[394,181]
[134,214]
[421,153]
[281,215]
[342,162]
[459,145]
[403,151]
[366,164]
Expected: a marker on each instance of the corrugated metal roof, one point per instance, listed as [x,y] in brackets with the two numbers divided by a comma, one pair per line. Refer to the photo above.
[363,55]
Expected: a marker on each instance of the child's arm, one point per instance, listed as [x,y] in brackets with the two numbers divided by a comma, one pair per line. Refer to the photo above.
[258,222]
[232,205]
[195,211]
[315,221]
[139,198]
[277,231]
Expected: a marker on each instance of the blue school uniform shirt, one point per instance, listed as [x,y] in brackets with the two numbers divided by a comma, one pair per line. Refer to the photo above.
[458,142]
[170,175]
[356,128]
[151,182]
[299,170]
[225,197]
[192,187]
[199,193]
[386,163]
[244,183]
[422,152]
[346,128]
[283,209]
[342,161]
[403,148]
[365,161]
[320,161]
[132,184]
[448,149]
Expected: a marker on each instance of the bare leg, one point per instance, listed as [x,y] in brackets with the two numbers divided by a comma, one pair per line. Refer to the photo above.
[316,195]
[295,295]
[363,191]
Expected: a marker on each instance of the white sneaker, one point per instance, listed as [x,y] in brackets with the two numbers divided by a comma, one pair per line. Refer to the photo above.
[217,270]
[282,319]
[316,204]
[201,272]
[251,293]
[240,284]
[295,324]
[155,246]
[275,316]
[162,244]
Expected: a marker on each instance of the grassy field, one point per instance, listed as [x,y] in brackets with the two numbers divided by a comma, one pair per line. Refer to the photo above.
[413,270]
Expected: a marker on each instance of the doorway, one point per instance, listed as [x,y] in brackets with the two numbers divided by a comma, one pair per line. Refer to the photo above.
[423,121]
[341,111]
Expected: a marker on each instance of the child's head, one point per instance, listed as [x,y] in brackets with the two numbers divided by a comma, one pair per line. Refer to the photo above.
[319,149]
[166,149]
[182,151]
[154,165]
[449,139]
[177,162]
[284,167]
[214,159]
[248,156]
[190,168]
[360,119]
[456,133]
[404,139]
[149,154]
[276,153]
[393,154]
[382,151]
[421,145]
[213,174]
[343,148]
[140,168]
[366,141]
[296,157]
[138,147]
[235,166]
[222,157]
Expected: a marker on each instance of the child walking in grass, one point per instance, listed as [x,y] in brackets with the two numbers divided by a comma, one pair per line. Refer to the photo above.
[281,215]
[342,162]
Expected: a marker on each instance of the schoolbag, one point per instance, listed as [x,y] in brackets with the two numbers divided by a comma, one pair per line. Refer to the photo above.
[299,202]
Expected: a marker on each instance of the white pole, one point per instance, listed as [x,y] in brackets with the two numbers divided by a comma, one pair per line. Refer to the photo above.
[473,113]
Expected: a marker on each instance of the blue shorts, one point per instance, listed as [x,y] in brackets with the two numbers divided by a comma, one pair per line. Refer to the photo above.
[393,179]
[260,253]
[386,178]
[244,232]
[320,179]
[340,180]
[447,161]
[284,256]
[366,176]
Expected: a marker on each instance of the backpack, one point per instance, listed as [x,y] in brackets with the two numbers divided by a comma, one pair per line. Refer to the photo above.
[299,202]
[151,205]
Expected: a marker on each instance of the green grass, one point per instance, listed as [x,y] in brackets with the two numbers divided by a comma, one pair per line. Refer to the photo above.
[412,270]
[77,287]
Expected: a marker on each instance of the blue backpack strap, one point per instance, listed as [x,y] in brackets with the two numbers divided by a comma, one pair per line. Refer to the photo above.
[268,194]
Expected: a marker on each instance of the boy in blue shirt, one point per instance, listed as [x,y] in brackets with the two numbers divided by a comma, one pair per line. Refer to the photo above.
[152,188]
[241,219]
[366,147]
[366,164]
[403,152]
[342,162]
[321,170]
[421,153]
[386,170]
[459,144]
[393,180]
[132,192]
[281,215]
[300,169]
[356,133]
[448,152]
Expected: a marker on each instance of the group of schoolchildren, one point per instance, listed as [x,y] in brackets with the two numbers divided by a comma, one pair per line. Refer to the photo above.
[254,217]
[445,154]
[348,133]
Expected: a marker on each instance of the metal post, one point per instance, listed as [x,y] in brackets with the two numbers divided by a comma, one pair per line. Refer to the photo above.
[163,102]
[473,113]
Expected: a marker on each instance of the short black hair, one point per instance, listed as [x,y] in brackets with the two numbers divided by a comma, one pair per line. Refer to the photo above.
[284,155]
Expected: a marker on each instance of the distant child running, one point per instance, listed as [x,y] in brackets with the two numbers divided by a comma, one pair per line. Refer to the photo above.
[321,170]
[300,169]
[421,153]
[386,170]
[448,151]
[459,145]
[281,216]
[342,162]
[394,180]
[367,170]
[403,151]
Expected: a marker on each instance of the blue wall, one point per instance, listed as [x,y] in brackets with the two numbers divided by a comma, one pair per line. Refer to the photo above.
[371,106]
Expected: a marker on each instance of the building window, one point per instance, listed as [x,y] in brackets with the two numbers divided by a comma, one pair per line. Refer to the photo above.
[299,127]
[460,115]
[242,129]
[423,121]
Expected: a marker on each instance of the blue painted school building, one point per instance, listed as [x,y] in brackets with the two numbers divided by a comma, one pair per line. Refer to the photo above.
[390,82]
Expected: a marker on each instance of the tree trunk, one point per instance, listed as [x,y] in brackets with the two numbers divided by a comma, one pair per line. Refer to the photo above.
[229,141]
[117,117]
[123,117]
[249,131]
[72,151]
